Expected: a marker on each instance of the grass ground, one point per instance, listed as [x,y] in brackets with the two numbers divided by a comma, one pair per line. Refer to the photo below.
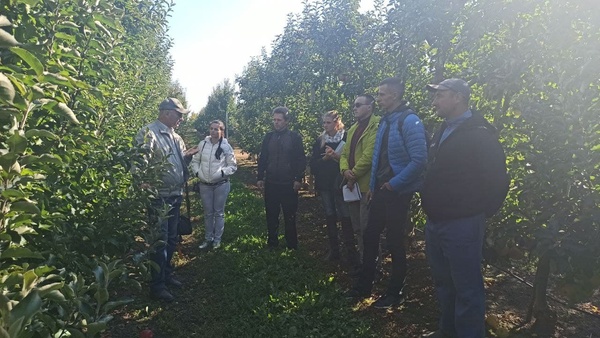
[244,290]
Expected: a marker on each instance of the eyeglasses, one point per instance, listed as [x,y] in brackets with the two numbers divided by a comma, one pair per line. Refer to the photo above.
[358,104]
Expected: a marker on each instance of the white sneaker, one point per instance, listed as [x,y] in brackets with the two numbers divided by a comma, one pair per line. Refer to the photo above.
[216,245]
[204,245]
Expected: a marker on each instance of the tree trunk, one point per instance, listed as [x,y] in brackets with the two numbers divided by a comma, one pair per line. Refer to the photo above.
[545,319]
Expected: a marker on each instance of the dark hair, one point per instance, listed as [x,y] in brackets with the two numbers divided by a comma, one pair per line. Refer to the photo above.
[219,122]
[395,83]
[370,98]
[283,111]
[219,150]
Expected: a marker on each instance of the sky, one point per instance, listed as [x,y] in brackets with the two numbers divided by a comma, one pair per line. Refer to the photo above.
[214,40]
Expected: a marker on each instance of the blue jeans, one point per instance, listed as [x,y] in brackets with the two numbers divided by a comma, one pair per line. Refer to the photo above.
[213,202]
[454,253]
[333,203]
[168,234]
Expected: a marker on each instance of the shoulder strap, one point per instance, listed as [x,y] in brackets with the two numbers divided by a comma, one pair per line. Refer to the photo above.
[405,112]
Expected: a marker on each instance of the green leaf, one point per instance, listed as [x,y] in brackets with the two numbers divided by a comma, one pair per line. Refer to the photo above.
[8,160]
[27,307]
[55,295]
[101,273]
[37,92]
[40,133]
[65,36]
[4,305]
[7,40]
[110,306]
[24,206]
[16,327]
[29,2]
[30,59]
[4,333]
[29,279]
[596,147]
[7,90]
[101,295]
[94,328]
[56,79]
[12,193]
[63,109]
[20,253]
[44,289]
[44,159]
[75,333]
[17,143]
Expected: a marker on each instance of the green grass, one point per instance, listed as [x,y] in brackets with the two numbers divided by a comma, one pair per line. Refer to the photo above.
[245,290]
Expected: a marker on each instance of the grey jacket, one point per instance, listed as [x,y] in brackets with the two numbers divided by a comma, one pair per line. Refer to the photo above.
[162,142]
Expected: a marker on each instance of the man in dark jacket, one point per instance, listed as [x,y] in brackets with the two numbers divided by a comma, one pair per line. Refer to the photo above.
[281,166]
[399,158]
[466,181]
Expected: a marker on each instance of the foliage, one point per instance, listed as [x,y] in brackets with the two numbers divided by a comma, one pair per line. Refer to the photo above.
[532,68]
[221,104]
[77,80]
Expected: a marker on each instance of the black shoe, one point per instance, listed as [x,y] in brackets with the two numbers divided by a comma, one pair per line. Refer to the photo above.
[163,295]
[174,283]
[355,293]
[388,301]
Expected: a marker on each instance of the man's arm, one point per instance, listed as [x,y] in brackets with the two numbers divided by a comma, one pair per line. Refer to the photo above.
[263,157]
[299,158]
[496,180]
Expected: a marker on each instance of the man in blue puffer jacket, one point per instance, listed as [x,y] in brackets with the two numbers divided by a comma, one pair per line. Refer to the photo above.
[399,159]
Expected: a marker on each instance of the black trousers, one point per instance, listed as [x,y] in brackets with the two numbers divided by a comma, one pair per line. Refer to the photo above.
[281,197]
[387,210]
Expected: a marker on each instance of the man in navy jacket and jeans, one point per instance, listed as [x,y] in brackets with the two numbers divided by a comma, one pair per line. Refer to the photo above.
[466,181]
[399,158]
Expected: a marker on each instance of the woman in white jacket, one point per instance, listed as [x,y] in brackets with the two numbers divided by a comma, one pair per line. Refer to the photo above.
[213,165]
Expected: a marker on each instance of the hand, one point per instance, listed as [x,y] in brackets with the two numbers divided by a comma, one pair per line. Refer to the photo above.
[349,175]
[191,151]
[369,196]
[297,185]
[260,185]
[330,153]
[387,186]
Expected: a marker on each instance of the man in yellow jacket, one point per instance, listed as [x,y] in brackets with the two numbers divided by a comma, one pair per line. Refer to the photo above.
[356,159]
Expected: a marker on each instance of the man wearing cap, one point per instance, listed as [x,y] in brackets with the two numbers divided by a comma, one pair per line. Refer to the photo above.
[162,145]
[399,158]
[466,181]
